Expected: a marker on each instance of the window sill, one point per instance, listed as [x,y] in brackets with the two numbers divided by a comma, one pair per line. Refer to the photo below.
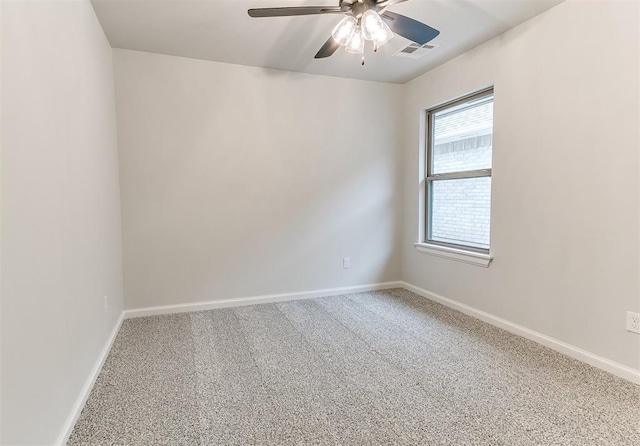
[460,255]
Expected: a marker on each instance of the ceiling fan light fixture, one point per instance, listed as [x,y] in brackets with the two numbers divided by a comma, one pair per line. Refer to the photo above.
[356,43]
[374,28]
[362,22]
[382,35]
[344,30]
[371,21]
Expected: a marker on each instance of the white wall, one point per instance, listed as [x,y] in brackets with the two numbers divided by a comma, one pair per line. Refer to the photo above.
[61,243]
[239,181]
[565,176]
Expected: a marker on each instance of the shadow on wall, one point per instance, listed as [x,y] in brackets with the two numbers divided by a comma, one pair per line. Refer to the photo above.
[294,43]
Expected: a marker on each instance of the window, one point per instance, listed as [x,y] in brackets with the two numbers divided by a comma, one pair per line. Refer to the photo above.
[458,174]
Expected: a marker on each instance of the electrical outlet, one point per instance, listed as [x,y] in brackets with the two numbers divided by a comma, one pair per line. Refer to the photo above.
[106,304]
[346,263]
[633,322]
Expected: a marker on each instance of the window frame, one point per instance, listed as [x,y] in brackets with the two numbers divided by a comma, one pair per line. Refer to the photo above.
[430,177]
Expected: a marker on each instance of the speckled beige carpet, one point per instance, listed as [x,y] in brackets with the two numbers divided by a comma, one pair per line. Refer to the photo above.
[385,367]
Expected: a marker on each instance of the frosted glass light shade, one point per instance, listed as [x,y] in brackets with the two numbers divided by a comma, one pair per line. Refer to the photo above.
[382,35]
[356,44]
[374,28]
[344,30]
[370,24]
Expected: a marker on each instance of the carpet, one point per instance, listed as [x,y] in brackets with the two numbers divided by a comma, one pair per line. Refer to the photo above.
[384,367]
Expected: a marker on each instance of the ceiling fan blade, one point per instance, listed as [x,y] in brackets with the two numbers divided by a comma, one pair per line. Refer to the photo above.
[411,29]
[329,47]
[292,11]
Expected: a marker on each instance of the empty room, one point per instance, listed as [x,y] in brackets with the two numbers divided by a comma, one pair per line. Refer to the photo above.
[328,222]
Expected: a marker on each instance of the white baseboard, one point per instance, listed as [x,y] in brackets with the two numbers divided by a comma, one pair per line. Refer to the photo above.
[88,385]
[242,301]
[607,365]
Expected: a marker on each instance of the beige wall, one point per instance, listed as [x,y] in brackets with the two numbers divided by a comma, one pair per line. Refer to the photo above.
[565,177]
[61,246]
[239,181]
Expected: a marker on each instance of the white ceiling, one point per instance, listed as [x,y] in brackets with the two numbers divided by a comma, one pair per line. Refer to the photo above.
[221,30]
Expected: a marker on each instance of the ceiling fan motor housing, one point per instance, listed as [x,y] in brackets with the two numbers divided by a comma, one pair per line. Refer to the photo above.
[358,7]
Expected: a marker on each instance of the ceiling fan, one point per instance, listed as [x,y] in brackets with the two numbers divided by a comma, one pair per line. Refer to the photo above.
[366,20]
